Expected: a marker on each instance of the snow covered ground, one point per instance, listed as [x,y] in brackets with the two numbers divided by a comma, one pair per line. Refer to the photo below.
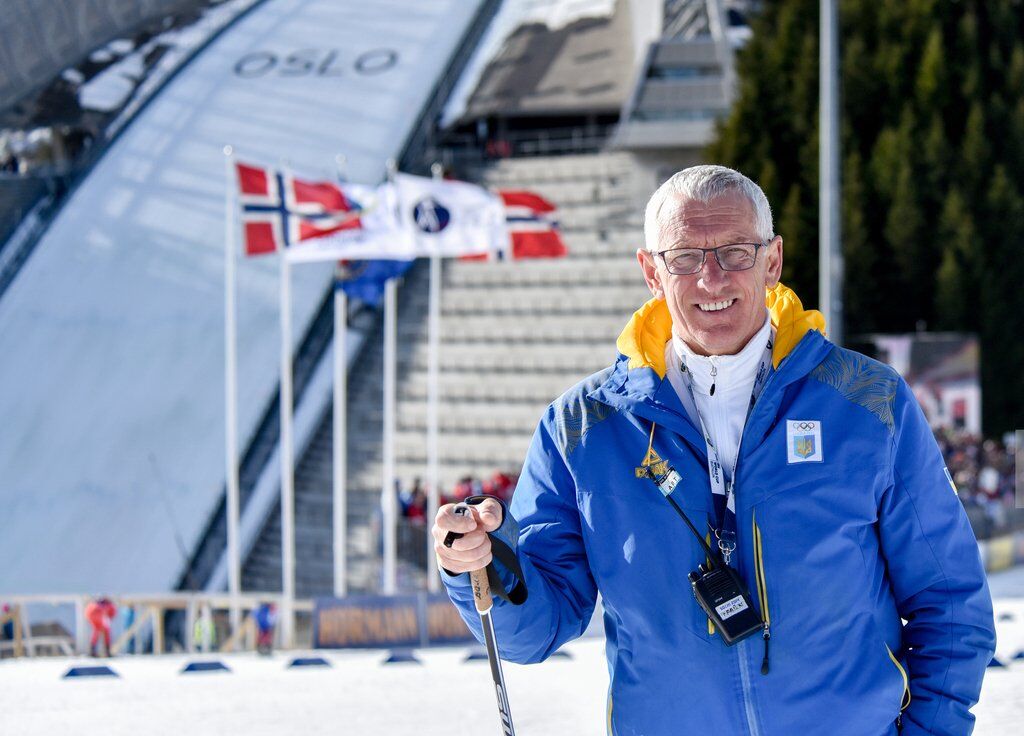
[359,694]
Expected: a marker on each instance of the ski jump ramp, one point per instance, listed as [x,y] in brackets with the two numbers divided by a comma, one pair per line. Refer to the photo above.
[112,335]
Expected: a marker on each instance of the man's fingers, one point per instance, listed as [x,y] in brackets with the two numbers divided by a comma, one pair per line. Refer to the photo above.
[455,522]
[472,554]
[489,514]
[456,566]
[448,521]
[472,540]
[471,549]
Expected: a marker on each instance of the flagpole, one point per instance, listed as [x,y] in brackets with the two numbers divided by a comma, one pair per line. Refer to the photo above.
[433,399]
[339,432]
[388,500]
[340,469]
[287,459]
[231,394]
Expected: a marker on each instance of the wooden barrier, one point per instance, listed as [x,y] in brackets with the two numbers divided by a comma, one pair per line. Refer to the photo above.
[151,610]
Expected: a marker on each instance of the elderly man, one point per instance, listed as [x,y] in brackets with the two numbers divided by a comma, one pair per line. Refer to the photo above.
[812,571]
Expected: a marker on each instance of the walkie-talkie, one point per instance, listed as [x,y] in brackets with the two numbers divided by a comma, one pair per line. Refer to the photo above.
[719,589]
[725,599]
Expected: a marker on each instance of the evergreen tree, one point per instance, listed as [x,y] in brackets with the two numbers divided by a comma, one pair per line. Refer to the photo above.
[957,286]
[1001,319]
[860,258]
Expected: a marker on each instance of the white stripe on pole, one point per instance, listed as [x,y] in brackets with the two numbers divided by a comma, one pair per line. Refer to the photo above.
[433,399]
[231,392]
[340,438]
[287,461]
[339,434]
[389,502]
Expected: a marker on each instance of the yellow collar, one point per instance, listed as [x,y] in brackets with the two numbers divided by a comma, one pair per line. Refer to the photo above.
[644,337]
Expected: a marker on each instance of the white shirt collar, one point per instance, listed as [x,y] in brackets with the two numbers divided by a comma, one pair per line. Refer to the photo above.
[733,372]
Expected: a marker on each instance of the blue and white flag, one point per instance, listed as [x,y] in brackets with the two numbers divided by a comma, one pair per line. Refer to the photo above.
[451,218]
[415,217]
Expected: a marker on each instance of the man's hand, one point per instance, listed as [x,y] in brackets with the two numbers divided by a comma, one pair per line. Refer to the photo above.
[471,551]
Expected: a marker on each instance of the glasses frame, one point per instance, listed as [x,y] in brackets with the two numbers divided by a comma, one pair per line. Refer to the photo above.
[718,258]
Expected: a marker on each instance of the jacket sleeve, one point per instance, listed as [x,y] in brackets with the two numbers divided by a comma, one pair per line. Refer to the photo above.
[937,579]
[561,592]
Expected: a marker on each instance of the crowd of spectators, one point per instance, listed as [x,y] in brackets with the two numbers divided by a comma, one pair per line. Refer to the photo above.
[984,474]
[983,471]
[413,500]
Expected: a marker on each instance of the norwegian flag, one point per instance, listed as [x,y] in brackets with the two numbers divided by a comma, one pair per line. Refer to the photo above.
[532,227]
[279,210]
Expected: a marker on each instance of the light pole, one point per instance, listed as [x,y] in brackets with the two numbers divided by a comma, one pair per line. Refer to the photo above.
[830,249]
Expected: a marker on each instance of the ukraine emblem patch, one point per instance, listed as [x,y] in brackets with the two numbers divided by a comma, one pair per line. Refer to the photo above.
[803,441]
[804,445]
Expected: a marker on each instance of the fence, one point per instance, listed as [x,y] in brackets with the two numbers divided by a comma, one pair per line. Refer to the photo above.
[158,623]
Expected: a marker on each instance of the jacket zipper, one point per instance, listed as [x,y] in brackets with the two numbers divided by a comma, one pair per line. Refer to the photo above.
[762,592]
[745,683]
[748,702]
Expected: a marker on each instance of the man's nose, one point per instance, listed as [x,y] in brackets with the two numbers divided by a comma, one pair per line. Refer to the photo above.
[712,274]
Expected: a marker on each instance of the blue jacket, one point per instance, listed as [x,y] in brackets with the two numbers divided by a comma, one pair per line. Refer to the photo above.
[839,538]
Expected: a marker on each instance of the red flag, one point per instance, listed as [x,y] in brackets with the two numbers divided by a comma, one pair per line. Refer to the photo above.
[279,210]
[532,225]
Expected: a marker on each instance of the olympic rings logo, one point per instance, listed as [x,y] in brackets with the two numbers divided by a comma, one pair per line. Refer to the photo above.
[805,426]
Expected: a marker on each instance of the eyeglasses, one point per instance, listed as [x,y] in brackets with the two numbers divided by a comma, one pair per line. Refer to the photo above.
[730,257]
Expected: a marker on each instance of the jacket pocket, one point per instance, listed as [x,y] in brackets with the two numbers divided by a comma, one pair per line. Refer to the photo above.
[762,590]
[905,701]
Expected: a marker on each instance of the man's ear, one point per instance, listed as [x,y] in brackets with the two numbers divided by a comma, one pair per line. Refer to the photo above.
[773,257]
[650,268]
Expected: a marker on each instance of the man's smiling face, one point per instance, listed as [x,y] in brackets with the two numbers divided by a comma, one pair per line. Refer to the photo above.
[715,312]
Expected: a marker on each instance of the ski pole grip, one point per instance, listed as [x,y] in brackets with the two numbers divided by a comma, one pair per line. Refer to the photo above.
[481,590]
[478,578]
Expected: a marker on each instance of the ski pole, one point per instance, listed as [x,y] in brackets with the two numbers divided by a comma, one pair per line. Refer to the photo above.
[484,603]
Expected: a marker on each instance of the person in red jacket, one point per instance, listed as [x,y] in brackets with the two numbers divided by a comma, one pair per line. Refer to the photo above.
[100,613]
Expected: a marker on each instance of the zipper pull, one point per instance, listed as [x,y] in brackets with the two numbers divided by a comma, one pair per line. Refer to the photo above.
[714,372]
[764,662]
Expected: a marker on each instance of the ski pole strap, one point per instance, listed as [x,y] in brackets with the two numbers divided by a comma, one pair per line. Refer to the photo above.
[503,554]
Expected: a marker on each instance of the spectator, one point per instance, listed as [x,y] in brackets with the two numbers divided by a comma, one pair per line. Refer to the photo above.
[266,621]
[463,489]
[983,473]
[7,631]
[99,614]
[204,634]
[416,511]
[502,486]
